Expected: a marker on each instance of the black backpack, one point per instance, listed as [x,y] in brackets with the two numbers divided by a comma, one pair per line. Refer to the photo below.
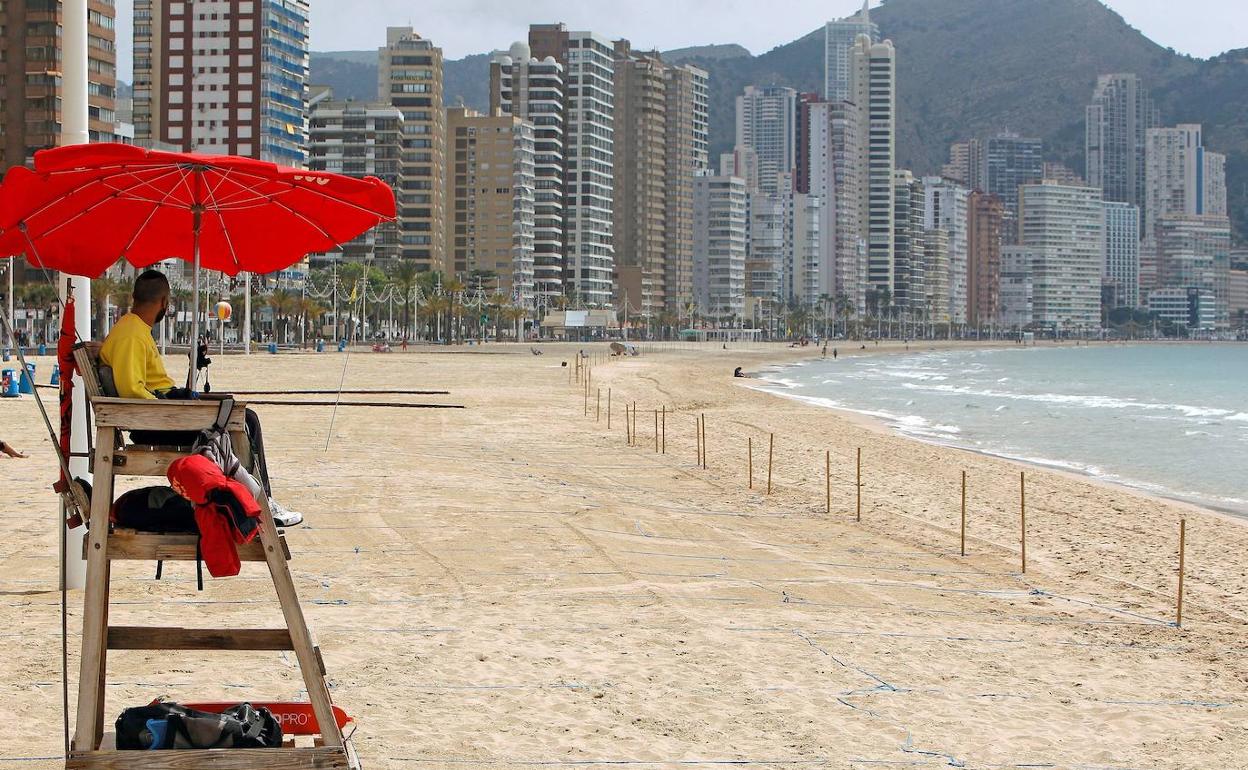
[171,726]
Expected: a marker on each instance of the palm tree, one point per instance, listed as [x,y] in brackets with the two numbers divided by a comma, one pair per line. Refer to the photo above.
[404,274]
[453,287]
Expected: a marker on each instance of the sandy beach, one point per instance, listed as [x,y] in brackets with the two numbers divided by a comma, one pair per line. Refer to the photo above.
[512,585]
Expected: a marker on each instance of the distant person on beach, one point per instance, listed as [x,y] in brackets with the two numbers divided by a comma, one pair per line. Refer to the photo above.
[139,372]
[833,354]
[738,372]
[7,450]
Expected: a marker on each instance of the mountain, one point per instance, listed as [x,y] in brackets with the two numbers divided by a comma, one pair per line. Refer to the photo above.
[965,68]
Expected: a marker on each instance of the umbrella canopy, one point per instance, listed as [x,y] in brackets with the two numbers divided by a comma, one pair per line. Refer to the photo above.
[83,207]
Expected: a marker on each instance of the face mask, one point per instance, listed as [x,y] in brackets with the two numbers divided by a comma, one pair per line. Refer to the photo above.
[160,316]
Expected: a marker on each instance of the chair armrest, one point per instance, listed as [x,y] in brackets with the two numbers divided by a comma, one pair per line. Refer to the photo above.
[149,414]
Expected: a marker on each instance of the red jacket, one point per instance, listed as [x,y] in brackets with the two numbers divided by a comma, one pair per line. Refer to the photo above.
[225,511]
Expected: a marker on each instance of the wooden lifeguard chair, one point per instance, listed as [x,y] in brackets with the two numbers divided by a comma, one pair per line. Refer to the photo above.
[91,748]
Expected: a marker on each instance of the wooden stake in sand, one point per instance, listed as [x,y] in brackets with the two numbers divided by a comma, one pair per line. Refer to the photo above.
[1022,515]
[628,426]
[634,418]
[663,424]
[704,442]
[858,515]
[697,439]
[1178,611]
[749,460]
[963,549]
[771,451]
[827,479]
[656,431]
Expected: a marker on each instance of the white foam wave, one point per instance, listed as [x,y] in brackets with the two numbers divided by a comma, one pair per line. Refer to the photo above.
[1076,400]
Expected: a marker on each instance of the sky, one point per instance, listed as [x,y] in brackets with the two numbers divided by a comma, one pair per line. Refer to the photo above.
[1202,28]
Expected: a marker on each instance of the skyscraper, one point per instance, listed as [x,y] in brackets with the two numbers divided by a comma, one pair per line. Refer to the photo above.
[719,245]
[1117,119]
[1064,230]
[767,123]
[527,88]
[835,177]
[660,143]
[359,139]
[1181,176]
[223,78]
[491,193]
[985,214]
[908,297]
[588,62]
[839,39]
[409,76]
[1121,276]
[1193,255]
[873,75]
[1007,162]
[687,156]
[947,208]
[30,77]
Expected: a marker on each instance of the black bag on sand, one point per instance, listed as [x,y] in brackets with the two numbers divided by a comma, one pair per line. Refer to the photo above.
[171,726]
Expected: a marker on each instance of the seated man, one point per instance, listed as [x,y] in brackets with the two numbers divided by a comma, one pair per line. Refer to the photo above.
[139,372]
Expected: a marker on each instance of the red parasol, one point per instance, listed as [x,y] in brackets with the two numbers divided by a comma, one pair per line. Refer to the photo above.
[83,207]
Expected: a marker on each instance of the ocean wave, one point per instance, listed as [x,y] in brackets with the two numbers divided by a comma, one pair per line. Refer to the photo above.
[1086,401]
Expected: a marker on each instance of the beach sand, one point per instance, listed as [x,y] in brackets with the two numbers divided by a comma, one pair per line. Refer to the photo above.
[512,585]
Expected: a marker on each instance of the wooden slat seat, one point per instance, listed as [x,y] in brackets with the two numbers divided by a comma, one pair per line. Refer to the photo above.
[168,638]
[146,414]
[319,758]
[132,545]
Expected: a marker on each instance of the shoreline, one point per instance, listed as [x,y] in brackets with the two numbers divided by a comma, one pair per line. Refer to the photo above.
[880,424]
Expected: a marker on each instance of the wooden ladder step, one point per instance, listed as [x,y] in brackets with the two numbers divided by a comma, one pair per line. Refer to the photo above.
[172,638]
[131,545]
[320,758]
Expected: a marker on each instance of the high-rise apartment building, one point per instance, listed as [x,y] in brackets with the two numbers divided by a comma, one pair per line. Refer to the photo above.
[588,62]
[985,215]
[767,124]
[409,76]
[688,143]
[766,252]
[359,139]
[908,298]
[1181,177]
[947,208]
[1117,119]
[1017,307]
[30,77]
[963,166]
[719,245]
[1193,254]
[527,88]
[1007,162]
[1064,229]
[873,75]
[803,268]
[490,192]
[223,77]
[839,39]
[936,277]
[834,177]
[660,143]
[1121,275]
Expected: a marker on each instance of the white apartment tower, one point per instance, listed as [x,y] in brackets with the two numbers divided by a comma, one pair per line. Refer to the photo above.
[838,42]
[874,77]
[719,245]
[588,61]
[834,157]
[524,87]
[1121,274]
[225,77]
[1063,228]
[1181,177]
[946,209]
[1120,114]
[767,124]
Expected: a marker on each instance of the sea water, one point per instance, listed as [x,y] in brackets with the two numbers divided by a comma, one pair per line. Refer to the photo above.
[1167,419]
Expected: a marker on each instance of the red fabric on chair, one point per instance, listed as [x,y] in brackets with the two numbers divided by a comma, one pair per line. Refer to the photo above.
[225,511]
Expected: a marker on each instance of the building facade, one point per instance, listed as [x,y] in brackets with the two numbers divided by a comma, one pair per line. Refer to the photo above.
[409,77]
[588,61]
[687,145]
[947,207]
[907,299]
[30,77]
[985,216]
[1064,228]
[359,139]
[1016,309]
[874,91]
[719,245]
[1007,162]
[1121,276]
[1193,254]
[1181,177]
[225,77]
[525,87]
[490,194]
[839,38]
[1120,114]
[834,176]
[767,124]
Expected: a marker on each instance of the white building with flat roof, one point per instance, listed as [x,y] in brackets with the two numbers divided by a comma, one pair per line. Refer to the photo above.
[1064,226]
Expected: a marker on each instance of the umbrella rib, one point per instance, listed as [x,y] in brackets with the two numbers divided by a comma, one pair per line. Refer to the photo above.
[216,210]
[293,186]
[79,214]
[150,214]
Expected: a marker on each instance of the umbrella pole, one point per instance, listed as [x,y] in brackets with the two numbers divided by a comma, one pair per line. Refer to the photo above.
[192,375]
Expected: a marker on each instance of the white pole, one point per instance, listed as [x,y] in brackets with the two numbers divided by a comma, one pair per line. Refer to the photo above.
[247,314]
[74,131]
[12,268]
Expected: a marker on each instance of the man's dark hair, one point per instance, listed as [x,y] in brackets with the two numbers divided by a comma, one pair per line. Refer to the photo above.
[149,287]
